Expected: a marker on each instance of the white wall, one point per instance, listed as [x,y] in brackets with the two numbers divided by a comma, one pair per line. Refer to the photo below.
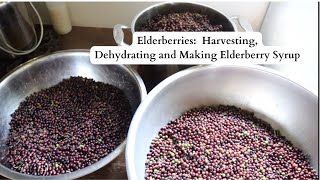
[107,14]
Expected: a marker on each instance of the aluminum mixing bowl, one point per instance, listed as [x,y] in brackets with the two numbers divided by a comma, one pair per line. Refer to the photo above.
[47,71]
[285,105]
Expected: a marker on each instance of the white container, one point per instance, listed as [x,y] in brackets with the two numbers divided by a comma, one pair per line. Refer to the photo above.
[280,28]
[59,16]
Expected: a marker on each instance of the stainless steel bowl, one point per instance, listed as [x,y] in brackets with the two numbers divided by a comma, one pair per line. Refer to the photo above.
[46,71]
[213,14]
[287,106]
[154,74]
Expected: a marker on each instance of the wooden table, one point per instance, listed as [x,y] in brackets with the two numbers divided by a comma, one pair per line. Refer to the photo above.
[85,38]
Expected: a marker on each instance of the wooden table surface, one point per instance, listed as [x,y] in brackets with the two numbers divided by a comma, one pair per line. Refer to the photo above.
[85,38]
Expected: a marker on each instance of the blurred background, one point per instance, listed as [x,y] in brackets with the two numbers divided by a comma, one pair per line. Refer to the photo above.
[107,14]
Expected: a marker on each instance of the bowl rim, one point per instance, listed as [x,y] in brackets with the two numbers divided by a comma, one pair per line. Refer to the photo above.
[131,138]
[136,17]
[9,173]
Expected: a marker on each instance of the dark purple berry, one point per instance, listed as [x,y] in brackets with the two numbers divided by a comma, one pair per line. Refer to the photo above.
[224,142]
[67,127]
[187,21]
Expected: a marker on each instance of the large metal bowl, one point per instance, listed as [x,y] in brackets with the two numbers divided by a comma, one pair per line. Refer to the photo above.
[154,74]
[287,106]
[46,71]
